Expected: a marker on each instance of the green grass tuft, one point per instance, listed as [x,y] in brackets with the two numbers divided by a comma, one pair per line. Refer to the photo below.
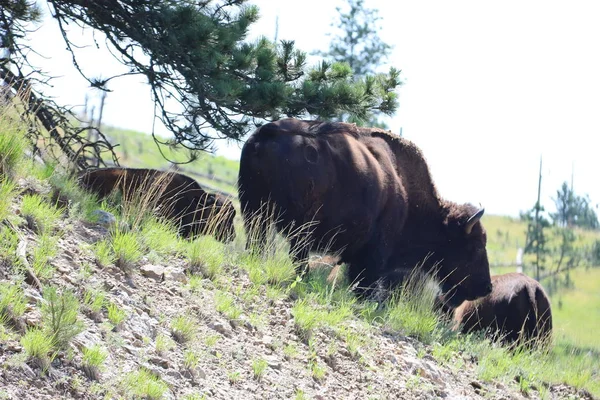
[93,358]
[12,302]
[12,144]
[126,249]
[7,194]
[38,345]
[259,368]
[207,256]
[42,253]
[183,328]
[411,309]
[142,384]
[225,304]
[42,217]
[116,315]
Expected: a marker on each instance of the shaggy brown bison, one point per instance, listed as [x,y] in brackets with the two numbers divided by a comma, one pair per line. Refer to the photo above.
[517,310]
[172,195]
[365,194]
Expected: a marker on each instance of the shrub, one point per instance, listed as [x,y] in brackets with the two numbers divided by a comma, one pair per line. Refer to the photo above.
[59,316]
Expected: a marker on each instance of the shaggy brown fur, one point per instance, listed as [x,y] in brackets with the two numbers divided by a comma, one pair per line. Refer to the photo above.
[518,309]
[172,195]
[369,197]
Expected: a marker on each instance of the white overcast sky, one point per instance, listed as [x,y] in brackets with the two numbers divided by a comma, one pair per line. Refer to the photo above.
[488,88]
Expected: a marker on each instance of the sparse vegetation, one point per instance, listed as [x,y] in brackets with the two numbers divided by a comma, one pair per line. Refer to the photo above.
[38,345]
[183,328]
[7,194]
[42,253]
[163,344]
[93,358]
[41,216]
[116,315]
[142,384]
[12,143]
[190,359]
[225,304]
[102,250]
[234,377]
[207,256]
[259,367]
[95,300]
[12,303]
[126,249]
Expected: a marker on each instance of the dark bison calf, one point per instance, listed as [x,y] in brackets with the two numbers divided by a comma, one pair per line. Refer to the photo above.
[517,311]
[172,195]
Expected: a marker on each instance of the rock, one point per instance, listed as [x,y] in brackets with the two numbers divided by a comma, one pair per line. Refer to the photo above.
[104,218]
[176,275]
[32,295]
[267,341]
[221,328]
[273,362]
[152,271]
[161,362]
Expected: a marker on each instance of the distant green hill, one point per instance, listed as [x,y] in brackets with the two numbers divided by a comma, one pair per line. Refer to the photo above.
[138,150]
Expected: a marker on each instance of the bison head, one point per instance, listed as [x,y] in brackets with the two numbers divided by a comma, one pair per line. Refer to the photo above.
[463,267]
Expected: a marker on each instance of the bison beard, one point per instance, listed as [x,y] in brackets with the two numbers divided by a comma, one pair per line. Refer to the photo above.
[517,311]
[174,196]
[366,195]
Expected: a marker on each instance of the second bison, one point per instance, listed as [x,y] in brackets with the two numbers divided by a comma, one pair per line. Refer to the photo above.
[517,311]
[172,195]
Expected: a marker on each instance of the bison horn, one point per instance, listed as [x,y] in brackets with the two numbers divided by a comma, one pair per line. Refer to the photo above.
[473,220]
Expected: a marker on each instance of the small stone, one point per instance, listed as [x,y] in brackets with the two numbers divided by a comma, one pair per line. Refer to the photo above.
[267,341]
[221,328]
[104,218]
[161,362]
[273,362]
[152,271]
[176,274]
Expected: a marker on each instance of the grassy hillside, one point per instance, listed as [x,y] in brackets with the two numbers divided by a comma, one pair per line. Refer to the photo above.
[133,311]
[139,150]
[505,234]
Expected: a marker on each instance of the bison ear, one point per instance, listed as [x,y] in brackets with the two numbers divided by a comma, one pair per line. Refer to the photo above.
[473,220]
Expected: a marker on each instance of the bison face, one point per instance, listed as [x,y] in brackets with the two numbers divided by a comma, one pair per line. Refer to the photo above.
[464,268]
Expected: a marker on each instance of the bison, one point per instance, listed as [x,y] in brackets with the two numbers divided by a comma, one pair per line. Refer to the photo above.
[172,195]
[362,193]
[517,311]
